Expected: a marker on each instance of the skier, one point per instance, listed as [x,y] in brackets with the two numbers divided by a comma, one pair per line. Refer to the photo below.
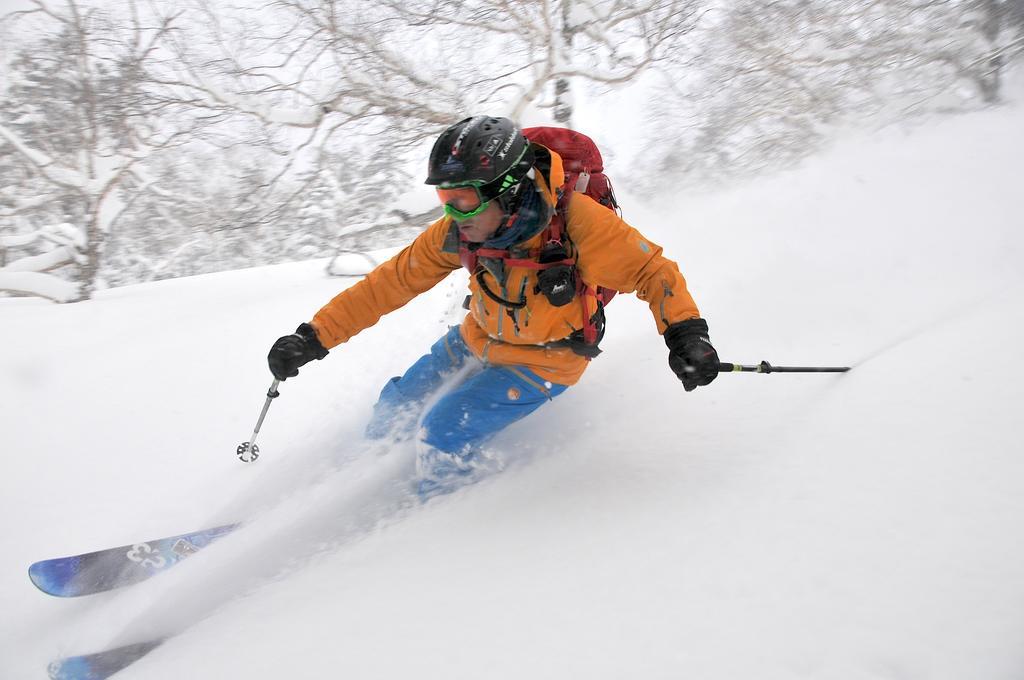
[523,341]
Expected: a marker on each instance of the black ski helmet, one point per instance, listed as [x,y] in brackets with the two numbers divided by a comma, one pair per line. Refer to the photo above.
[490,151]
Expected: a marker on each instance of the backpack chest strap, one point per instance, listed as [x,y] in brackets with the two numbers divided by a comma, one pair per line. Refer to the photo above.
[530,262]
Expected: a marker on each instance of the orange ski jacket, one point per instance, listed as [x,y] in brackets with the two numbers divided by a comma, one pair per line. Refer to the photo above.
[609,253]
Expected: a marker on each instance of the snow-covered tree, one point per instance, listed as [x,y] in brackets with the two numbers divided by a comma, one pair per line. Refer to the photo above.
[347,93]
[75,126]
[541,46]
[770,81]
[400,70]
[999,25]
[174,138]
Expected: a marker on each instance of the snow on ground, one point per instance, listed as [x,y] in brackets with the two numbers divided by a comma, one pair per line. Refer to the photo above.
[858,526]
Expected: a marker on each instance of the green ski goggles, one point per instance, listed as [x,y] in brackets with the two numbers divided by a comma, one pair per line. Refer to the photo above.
[463,201]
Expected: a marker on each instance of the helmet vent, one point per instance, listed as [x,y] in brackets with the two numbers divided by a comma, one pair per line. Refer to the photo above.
[478,149]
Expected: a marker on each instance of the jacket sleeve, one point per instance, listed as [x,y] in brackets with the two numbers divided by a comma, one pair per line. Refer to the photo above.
[612,254]
[416,269]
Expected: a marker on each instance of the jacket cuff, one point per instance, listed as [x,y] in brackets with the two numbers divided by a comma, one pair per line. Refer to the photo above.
[308,334]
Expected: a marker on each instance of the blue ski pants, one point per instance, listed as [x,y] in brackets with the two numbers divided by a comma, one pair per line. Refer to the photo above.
[481,400]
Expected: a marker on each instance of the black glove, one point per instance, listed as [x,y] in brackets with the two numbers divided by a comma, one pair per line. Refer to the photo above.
[690,354]
[294,350]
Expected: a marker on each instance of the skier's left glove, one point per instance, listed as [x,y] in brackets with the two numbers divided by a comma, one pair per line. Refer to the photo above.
[295,350]
[690,353]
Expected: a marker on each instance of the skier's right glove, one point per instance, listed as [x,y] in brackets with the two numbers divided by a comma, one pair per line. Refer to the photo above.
[295,350]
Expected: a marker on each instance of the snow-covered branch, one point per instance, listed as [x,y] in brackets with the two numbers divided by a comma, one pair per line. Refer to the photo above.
[58,257]
[63,234]
[63,176]
[28,274]
[202,93]
[36,284]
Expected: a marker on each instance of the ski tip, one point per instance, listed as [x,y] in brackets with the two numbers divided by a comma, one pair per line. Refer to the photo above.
[49,577]
[101,665]
[74,668]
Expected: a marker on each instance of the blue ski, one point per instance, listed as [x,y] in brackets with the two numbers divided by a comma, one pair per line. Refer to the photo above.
[101,664]
[103,570]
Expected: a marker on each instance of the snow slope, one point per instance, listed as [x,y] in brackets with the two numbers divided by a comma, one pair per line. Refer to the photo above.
[831,527]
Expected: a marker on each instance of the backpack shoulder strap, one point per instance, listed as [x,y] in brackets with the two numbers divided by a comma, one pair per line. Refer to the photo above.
[558,227]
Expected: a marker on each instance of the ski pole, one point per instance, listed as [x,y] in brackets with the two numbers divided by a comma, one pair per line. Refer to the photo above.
[765,367]
[247,452]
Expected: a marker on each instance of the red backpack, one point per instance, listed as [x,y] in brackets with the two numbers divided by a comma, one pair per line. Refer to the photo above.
[583,168]
[584,173]
[581,162]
